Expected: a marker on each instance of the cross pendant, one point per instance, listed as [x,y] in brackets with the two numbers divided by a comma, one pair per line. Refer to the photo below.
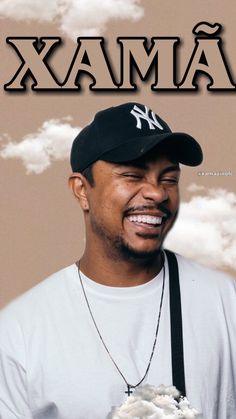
[129,392]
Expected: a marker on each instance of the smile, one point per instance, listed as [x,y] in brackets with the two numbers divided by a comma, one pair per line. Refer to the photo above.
[146,219]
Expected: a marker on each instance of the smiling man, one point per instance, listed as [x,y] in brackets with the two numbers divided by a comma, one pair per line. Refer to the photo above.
[127,313]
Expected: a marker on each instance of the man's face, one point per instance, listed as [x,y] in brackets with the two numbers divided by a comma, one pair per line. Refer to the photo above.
[131,207]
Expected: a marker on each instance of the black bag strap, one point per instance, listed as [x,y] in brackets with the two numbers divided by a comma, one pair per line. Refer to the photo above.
[177,350]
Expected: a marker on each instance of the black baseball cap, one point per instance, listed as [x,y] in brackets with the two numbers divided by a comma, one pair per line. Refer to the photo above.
[127,132]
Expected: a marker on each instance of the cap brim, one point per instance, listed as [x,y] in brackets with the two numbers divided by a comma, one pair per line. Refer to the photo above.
[182,147]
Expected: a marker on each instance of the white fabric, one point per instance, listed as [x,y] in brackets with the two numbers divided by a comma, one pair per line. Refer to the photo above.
[53,365]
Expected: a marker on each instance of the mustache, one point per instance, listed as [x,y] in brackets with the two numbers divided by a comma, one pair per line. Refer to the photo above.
[142,208]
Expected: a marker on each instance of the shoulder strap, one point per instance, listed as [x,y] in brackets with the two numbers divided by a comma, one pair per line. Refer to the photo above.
[178,375]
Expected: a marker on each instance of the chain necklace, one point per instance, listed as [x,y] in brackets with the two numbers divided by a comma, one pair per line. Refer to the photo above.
[129,386]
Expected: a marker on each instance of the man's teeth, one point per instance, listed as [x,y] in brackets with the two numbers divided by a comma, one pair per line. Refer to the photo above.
[148,219]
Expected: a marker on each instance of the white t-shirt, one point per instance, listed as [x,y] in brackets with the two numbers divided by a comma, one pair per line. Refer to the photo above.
[54,366]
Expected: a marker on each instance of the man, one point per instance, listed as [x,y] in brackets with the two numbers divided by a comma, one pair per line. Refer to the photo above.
[82,340]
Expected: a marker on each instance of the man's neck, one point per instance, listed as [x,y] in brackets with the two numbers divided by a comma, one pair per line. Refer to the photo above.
[120,273]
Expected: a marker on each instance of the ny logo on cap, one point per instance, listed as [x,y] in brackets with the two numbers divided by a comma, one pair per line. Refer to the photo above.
[139,114]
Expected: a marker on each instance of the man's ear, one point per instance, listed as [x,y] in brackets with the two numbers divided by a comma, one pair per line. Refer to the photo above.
[79,186]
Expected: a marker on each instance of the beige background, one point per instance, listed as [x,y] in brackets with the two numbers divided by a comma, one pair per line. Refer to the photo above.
[41,224]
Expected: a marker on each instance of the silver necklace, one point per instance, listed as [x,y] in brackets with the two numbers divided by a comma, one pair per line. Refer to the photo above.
[129,386]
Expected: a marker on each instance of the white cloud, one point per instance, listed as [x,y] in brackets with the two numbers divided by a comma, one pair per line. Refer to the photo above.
[38,150]
[29,10]
[154,402]
[206,229]
[74,17]
[195,188]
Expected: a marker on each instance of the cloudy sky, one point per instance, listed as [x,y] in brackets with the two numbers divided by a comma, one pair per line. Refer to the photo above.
[73,17]
[206,228]
[41,224]
[40,149]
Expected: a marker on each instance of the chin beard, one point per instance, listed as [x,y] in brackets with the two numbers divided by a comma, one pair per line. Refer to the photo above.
[118,248]
[129,253]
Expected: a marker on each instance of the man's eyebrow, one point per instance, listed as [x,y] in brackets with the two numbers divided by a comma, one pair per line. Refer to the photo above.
[173,168]
[136,164]
[144,165]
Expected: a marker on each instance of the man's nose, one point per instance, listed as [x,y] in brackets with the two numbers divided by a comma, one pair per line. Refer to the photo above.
[154,191]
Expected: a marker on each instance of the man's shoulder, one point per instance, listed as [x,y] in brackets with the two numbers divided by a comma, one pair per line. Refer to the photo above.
[207,277]
[30,314]
[45,293]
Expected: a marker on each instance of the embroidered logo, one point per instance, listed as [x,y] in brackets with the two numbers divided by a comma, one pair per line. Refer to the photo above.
[151,120]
